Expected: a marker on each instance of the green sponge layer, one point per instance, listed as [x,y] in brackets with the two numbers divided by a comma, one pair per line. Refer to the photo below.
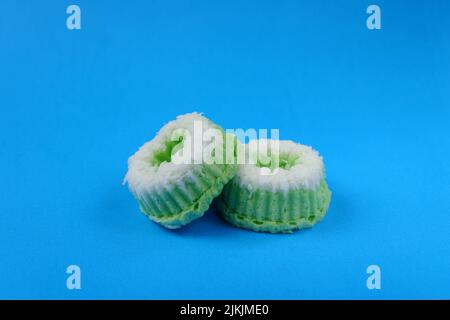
[276,212]
[179,204]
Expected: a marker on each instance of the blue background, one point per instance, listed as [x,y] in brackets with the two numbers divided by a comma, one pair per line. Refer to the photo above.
[76,104]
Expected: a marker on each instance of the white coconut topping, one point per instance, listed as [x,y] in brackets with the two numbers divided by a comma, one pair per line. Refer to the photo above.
[297,166]
[145,174]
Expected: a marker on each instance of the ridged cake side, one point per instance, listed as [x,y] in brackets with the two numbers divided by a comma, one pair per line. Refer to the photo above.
[177,205]
[275,212]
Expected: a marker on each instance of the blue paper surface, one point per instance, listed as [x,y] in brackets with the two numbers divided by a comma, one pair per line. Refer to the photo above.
[75,104]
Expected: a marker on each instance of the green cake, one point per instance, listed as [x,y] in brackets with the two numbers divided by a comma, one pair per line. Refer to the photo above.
[283,194]
[170,176]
